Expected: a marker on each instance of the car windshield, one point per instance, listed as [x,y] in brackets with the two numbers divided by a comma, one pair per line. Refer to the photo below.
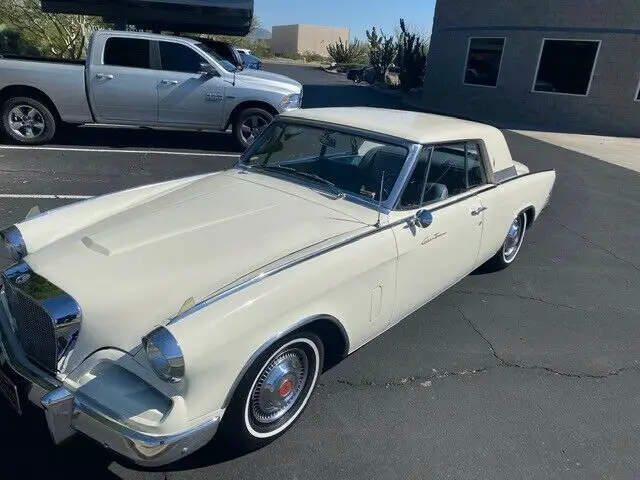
[226,64]
[350,162]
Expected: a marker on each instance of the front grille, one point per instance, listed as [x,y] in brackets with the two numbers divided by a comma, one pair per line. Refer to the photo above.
[34,328]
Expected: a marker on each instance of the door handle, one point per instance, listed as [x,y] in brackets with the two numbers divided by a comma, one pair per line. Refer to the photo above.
[478,211]
[169,82]
[104,76]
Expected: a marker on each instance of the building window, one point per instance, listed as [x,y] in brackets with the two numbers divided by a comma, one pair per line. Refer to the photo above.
[638,93]
[566,66]
[483,61]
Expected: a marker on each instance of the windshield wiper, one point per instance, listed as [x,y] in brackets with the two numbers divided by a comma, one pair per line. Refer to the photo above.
[300,173]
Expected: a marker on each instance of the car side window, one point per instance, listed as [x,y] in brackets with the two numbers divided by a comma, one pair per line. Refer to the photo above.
[127,52]
[452,169]
[176,57]
[476,174]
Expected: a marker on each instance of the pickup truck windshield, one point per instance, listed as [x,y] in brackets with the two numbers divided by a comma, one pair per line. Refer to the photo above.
[226,64]
[346,161]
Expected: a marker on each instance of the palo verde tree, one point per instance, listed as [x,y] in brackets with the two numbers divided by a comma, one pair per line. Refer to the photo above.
[58,35]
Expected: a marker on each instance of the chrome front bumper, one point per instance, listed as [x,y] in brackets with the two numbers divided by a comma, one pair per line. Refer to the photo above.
[68,414]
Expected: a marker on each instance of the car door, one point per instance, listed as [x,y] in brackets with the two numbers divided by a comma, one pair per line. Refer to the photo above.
[122,84]
[188,97]
[432,258]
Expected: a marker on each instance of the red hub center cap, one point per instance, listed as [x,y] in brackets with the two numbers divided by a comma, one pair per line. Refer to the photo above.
[285,388]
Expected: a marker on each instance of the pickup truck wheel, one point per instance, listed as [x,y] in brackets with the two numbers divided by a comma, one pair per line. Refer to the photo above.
[274,392]
[27,121]
[249,124]
[511,245]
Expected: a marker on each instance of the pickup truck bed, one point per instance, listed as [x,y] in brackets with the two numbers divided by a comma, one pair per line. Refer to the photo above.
[139,79]
[41,59]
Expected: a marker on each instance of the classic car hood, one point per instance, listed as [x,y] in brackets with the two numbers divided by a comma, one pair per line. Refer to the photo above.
[267,78]
[135,268]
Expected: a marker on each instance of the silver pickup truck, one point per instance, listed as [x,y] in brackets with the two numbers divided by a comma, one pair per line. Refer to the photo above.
[140,79]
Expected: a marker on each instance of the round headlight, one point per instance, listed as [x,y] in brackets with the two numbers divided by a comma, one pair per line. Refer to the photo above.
[14,243]
[164,354]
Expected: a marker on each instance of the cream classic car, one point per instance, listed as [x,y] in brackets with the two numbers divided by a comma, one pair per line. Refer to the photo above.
[153,318]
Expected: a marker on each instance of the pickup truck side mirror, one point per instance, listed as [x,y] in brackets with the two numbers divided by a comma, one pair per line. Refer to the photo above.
[207,69]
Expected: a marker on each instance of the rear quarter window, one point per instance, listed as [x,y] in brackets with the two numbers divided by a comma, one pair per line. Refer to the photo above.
[127,52]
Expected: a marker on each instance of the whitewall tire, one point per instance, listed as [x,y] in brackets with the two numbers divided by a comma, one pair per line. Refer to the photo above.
[274,392]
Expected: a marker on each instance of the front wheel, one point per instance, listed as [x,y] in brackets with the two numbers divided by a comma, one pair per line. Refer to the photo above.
[27,121]
[274,392]
[511,245]
[249,124]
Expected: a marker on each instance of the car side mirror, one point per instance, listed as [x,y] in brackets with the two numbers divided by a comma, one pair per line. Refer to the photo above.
[423,218]
[207,69]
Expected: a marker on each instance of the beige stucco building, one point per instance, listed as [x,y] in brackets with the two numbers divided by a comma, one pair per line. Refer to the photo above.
[301,38]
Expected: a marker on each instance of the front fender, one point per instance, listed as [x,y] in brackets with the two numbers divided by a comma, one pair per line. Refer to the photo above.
[220,340]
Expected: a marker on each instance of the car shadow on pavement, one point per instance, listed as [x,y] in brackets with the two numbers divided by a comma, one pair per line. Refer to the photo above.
[28,451]
[127,137]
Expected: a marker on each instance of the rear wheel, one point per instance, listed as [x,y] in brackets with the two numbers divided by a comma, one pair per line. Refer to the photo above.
[274,392]
[249,124]
[511,245]
[27,121]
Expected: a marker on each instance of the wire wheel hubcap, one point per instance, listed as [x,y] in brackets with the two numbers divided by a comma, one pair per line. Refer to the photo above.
[513,240]
[26,121]
[251,127]
[279,385]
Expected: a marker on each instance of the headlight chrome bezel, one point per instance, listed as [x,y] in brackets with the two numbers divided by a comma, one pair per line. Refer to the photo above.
[291,101]
[164,355]
[14,243]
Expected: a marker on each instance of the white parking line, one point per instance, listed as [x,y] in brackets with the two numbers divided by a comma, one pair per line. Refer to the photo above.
[47,197]
[116,150]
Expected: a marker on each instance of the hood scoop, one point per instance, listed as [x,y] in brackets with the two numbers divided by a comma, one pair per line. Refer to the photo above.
[140,233]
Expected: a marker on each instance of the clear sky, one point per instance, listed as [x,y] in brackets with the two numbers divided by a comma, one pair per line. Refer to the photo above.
[358,15]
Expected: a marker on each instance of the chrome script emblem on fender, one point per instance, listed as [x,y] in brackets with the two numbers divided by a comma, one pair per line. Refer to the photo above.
[22,279]
[433,237]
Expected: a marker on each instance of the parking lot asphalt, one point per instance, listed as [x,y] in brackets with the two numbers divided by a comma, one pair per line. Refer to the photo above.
[531,373]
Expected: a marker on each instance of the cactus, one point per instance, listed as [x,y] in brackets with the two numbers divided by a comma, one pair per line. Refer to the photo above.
[412,58]
[350,52]
[382,52]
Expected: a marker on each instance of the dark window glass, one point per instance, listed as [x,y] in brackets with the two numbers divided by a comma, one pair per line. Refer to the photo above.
[127,52]
[638,94]
[453,169]
[483,61]
[365,167]
[566,66]
[176,57]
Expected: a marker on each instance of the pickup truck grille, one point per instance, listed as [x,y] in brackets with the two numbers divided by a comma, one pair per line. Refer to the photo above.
[34,328]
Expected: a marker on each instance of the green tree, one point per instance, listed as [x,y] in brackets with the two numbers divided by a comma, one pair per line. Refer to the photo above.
[382,52]
[12,43]
[59,35]
[412,58]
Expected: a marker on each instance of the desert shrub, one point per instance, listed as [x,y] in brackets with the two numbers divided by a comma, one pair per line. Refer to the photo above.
[349,52]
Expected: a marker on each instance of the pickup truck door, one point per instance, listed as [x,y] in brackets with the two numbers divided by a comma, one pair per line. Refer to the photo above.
[186,96]
[432,258]
[122,84]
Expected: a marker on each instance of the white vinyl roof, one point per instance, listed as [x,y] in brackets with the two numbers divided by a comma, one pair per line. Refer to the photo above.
[416,127]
